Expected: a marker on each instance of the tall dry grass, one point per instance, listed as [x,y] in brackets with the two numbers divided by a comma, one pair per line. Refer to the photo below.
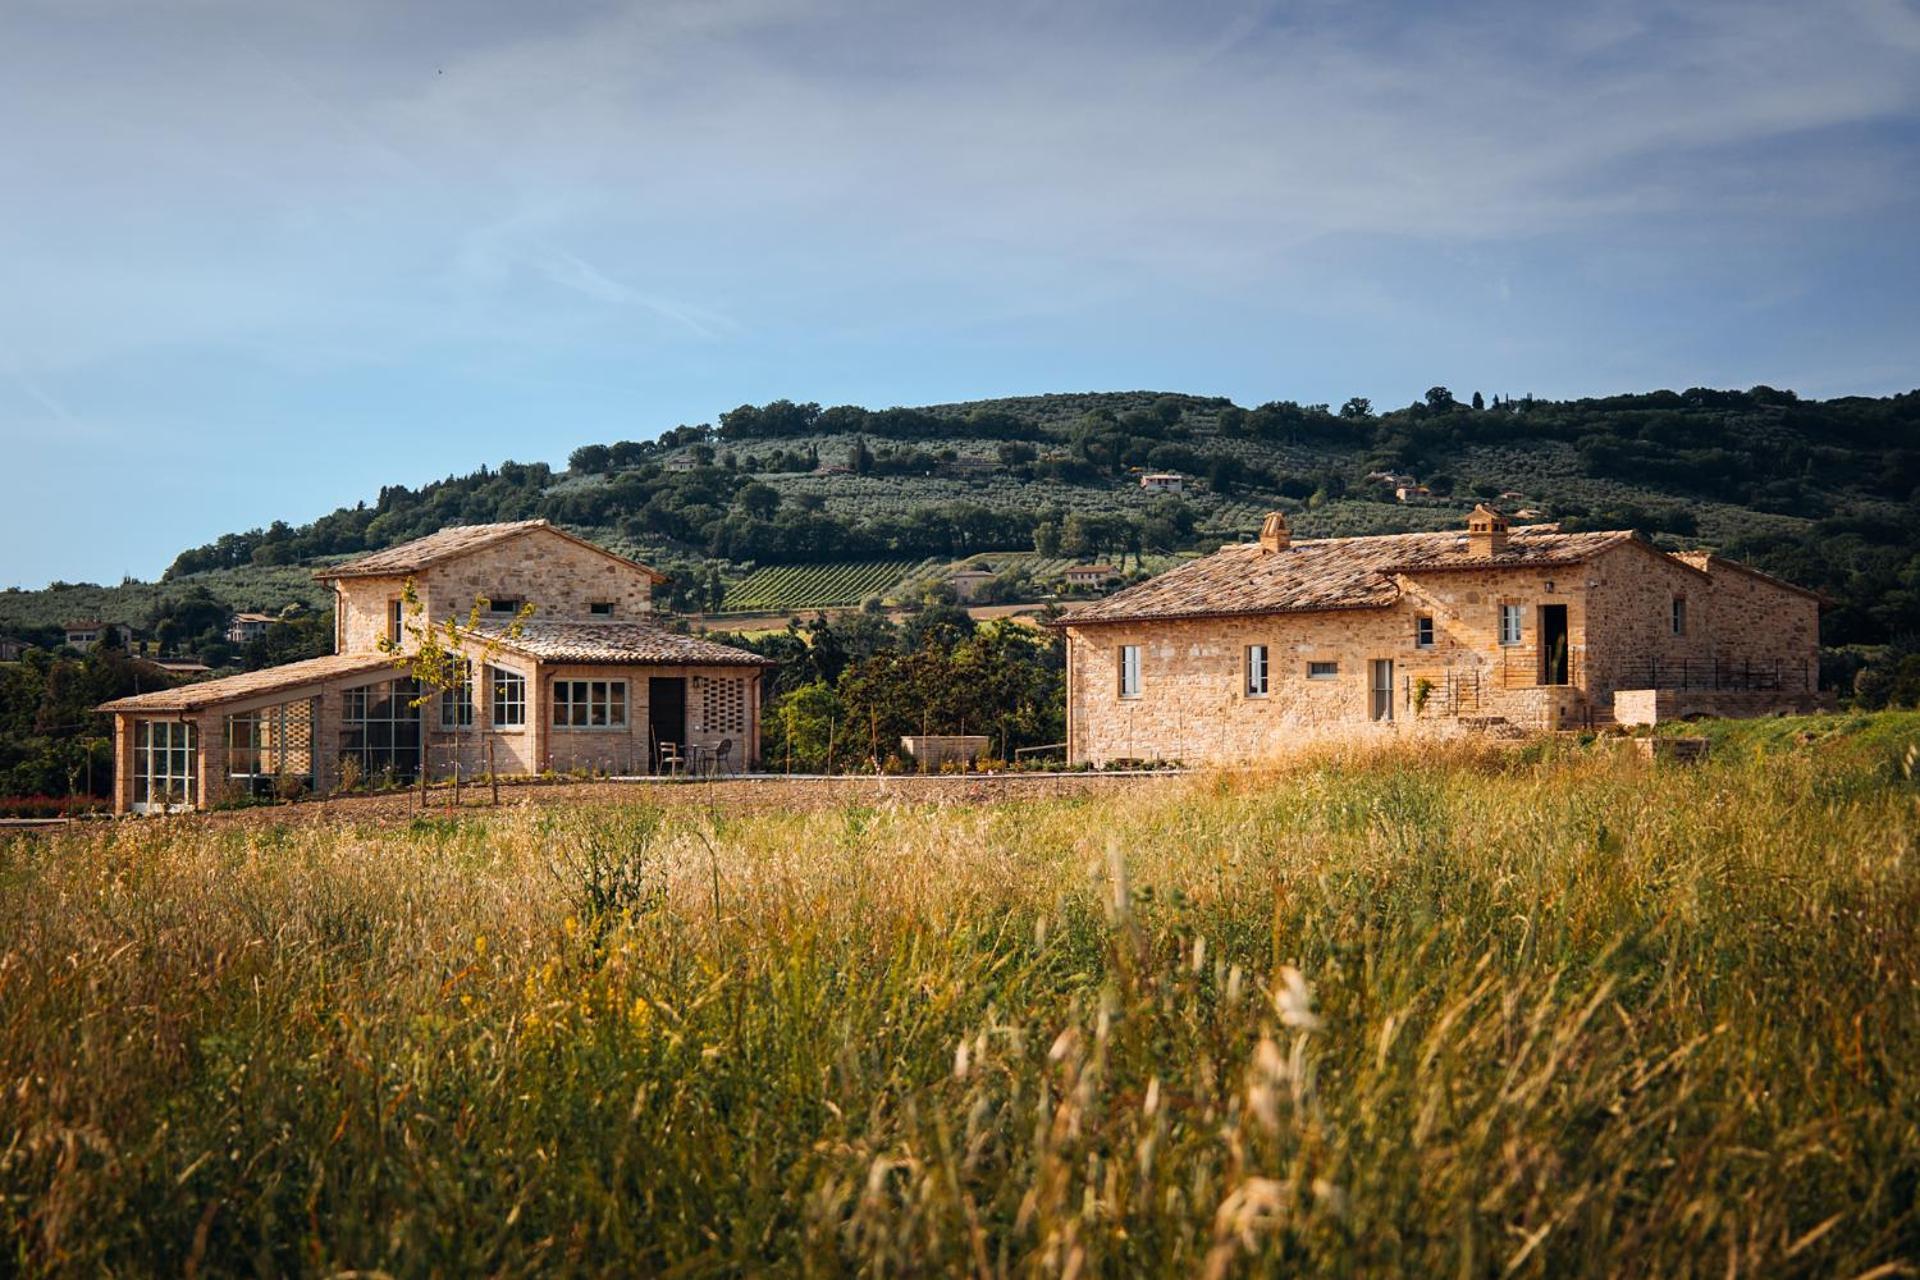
[1400,1014]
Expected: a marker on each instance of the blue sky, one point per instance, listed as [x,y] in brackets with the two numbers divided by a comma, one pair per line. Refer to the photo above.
[257,260]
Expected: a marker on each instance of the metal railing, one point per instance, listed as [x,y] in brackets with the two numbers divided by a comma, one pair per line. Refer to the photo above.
[1772,675]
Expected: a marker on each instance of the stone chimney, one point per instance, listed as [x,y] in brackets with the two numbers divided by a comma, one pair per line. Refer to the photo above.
[1274,534]
[1486,532]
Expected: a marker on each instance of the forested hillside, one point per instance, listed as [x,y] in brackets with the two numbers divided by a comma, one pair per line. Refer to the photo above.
[1820,492]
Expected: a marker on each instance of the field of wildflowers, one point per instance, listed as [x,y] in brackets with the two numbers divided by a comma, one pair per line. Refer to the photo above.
[1561,1013]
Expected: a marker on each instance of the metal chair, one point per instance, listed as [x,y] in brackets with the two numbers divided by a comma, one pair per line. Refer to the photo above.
[722,758]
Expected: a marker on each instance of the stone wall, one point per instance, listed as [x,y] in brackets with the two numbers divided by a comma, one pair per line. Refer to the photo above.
[560,577]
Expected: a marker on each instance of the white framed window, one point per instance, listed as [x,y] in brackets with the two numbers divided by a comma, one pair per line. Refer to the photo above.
[1423,631]
[1129,670]
[1323,671]
[1679,615]
[509,699]
[1510,616]
[1256,671]
[456,704]
[590,704]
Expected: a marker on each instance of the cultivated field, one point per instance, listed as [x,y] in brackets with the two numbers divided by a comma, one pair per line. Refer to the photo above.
[810,586]
[1552,1013]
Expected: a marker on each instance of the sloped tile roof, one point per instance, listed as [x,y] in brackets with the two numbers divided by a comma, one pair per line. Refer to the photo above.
[459,540]
[617,643]
[1707,562]
[1327,573]
[252,684]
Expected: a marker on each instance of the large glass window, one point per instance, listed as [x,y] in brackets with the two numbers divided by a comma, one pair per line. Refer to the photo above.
[1129,670]
[456,704]
[590,704]
[166,766]
[509,699]
[271,748]
[380,728]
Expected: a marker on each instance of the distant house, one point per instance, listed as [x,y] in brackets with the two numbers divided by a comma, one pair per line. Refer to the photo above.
[1091,575]
[87,633]
[1245,653]
[967,583]
[1407,491]
[248,627]
[10,650]
[1163,482]
[1390,479]
[682,462]
[1512,495]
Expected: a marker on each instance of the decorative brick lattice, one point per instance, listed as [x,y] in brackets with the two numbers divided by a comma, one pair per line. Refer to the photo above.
[723,706]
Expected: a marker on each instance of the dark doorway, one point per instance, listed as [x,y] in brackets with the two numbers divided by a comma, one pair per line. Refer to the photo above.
[1553,644]
[666,720]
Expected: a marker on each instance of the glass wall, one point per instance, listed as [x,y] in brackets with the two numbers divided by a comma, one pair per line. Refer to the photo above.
[270,751]
[380,730]
[166,766]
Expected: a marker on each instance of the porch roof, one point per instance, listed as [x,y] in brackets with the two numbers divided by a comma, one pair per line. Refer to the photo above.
[617,644]
[251,684]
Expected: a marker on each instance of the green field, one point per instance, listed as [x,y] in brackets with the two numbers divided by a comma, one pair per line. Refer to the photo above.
[814,586]
[1553,1013]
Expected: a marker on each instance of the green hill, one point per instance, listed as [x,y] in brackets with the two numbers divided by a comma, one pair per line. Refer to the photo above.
[1821,492]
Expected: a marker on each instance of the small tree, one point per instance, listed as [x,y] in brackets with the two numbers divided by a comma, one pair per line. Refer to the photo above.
[442,660]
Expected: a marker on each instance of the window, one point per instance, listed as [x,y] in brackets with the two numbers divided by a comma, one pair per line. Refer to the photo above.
[601,608]
[1510,624]
[503,606]
[1679,615]
[509,699]
[396,618]
[380,728]
[1423,632]
[1323,670]
[1129,670]
[590,704]
[166,772]
[1256,671]
[1380,686]
[456,704]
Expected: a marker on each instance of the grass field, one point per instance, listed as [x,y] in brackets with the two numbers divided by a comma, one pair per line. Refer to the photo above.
[1547,1014]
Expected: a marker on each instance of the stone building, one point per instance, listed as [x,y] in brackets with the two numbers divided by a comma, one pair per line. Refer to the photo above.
[1267,644]
[592,681]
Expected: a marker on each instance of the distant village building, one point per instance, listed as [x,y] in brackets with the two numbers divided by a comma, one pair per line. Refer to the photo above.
[87,633]
[681,462]
[593,681]
[1261,646]
[11,650]
[245,628]
[1163,482]
[1091,575]
[1406,491]
[967,583]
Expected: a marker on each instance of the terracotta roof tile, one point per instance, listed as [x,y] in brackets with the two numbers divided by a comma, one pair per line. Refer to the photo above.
[616,643]
[459,540]
[1328,573]
[251,684]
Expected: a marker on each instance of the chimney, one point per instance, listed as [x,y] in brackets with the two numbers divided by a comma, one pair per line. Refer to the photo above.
[1486,532]
[1274,534]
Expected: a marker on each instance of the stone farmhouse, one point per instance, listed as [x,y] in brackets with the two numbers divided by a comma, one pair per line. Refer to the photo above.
[1264,645]
[591,681]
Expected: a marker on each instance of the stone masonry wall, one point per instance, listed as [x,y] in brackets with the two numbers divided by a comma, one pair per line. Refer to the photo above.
[1193,705]
[561,578]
